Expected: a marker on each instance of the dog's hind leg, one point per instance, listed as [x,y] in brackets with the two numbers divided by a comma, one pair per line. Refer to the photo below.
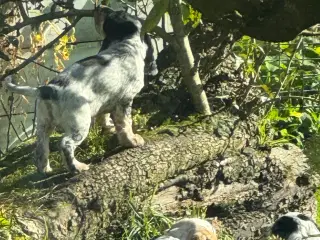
[123,124]
[42,148]
[75,132]
[44,129]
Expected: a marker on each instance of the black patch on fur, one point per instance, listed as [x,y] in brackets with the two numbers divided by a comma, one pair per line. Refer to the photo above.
[284,226]
[304,217]
[61,82]
[119,25]
[48,93]
[94,61]
[105,44]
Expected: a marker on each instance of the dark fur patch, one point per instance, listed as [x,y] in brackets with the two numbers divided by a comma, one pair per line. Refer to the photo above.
[105,44]
[284,226]
[48,93]
[119,25]
[304,217]
[59,81]
[93,60]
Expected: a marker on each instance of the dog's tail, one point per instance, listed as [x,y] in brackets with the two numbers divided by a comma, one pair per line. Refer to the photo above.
[23,90]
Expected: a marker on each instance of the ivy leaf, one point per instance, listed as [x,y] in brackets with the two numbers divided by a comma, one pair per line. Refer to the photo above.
[159,9]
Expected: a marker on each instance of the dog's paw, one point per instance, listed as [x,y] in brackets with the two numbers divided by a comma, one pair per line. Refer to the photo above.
[79,167]
[138,141]
[45,170]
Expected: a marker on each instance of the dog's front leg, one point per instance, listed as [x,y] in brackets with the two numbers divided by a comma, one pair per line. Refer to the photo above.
[68,145]
[106,123]
[123,123]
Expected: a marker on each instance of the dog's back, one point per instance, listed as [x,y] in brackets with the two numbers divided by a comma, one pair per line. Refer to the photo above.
[114,75]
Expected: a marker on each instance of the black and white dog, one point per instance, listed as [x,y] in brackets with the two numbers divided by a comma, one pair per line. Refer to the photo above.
[104,83]
[150,68]
[295,226]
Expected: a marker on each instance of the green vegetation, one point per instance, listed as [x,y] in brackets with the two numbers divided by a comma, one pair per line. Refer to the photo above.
[287,75]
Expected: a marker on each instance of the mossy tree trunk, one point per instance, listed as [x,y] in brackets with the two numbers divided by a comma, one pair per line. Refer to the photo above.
[84,206]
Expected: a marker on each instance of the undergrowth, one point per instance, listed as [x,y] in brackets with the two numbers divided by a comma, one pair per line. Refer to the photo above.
[146,221]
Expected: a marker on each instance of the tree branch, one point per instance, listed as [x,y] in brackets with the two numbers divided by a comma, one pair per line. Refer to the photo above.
[35,56]
[307,33]
[22,10]
[163,34]
[48,16]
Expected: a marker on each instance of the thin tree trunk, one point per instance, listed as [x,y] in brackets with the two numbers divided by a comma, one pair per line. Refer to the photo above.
[189,71]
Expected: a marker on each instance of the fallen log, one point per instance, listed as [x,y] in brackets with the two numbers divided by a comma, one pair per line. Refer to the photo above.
[84,206]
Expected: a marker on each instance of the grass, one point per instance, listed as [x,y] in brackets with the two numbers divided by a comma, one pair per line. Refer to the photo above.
[145,221]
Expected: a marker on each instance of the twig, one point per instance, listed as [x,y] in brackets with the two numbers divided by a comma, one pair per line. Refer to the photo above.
[38,54]
[24,129]
[128,5]
[16,114]
[76,43]
[307,33]
[50,69]
[10,123]
[22,10]
[49,16]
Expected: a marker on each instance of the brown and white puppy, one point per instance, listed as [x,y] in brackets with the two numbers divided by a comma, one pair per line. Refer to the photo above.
[190,229]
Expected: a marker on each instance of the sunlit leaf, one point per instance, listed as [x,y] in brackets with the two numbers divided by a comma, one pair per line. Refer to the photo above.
[284,45]
[64,39]
[190,14]
[38,37]
[296,114]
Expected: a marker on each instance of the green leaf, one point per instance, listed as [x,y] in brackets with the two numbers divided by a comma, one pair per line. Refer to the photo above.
[189,14]
[271,66]
[153,18]
[284,133]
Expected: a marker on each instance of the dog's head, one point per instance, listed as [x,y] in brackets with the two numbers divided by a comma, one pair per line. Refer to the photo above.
[116,25]
[119,25]
[294,226]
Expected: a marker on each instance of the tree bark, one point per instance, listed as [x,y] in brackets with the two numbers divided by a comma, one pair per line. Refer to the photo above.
[189,70]
[84,206]
[269,20]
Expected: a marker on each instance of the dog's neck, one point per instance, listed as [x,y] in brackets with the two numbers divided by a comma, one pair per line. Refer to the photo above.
[134,42]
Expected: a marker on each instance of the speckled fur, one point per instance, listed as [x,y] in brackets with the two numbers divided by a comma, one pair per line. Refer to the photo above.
[105,83]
